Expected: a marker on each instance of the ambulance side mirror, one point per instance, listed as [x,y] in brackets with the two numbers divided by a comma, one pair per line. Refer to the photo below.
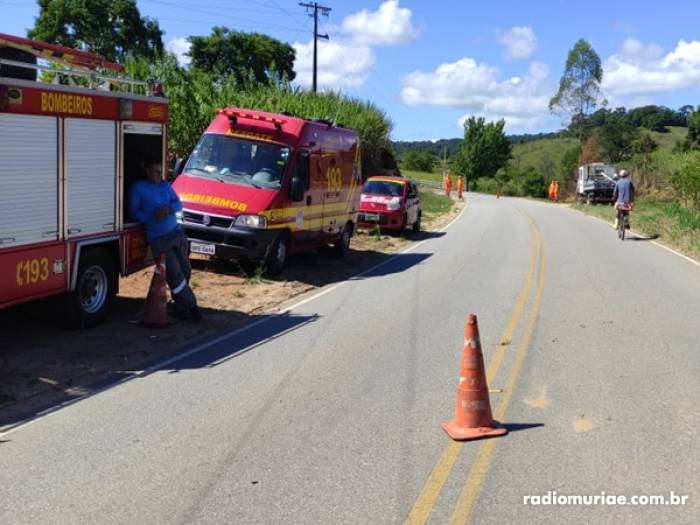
[296,190]
[179,166]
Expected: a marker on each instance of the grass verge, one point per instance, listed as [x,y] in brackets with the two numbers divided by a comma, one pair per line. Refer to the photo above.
[676,226]
[423,176]
[434,204]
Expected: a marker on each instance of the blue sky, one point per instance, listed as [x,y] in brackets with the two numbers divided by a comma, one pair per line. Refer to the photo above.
[430,64]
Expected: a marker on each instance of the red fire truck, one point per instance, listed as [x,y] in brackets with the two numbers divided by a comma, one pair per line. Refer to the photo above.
[69,152]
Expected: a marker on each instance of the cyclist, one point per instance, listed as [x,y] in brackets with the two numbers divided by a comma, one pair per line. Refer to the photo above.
[623,195]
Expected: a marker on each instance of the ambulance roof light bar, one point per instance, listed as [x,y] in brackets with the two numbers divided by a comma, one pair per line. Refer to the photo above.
[234,115]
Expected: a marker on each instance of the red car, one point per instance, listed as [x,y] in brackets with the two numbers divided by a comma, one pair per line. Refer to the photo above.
[390,202]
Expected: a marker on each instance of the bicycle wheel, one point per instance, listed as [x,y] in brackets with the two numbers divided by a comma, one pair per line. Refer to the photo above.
[622,225]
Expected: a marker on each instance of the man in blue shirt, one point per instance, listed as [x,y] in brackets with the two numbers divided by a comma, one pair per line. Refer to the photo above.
[154,204]
[623,194]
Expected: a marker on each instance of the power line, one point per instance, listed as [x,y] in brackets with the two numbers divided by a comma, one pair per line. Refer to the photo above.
[325,11]
[295,30]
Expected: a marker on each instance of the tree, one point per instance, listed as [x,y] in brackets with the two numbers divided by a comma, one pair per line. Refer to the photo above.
[589,151]
[686,179]
[195,95]
[111,28]
[569,163]
[694,127]
[644,147]
[244,55]
[616,137]
[484,150]
[579,87]
[419,160]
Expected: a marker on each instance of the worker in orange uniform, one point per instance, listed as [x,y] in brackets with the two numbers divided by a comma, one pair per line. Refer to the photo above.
[460,187]
[556,190]
[448,184]
[550,191]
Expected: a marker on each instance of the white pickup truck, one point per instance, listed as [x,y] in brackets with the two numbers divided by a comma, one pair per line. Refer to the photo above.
[595,183]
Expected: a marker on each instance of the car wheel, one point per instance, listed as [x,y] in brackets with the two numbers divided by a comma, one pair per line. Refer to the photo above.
[342,245]
[416,225]
[404,225]
[95,289]
[277,256]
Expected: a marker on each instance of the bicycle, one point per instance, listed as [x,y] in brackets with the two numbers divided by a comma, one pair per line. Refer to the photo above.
[623,221]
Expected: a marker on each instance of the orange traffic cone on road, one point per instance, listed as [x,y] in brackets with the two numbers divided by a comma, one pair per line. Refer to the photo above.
[156,314]
[473,419]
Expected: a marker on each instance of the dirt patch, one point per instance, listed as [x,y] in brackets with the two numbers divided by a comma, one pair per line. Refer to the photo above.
[43,365]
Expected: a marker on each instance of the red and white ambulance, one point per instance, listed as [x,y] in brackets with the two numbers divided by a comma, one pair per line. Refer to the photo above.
[259,186]
[68,155]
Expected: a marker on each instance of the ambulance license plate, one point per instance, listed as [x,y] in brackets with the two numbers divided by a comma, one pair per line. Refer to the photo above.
[203,247]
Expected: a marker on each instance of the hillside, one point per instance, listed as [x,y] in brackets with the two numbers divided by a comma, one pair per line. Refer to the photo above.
[535,152]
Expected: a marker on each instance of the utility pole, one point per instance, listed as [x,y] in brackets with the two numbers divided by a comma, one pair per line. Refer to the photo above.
[324,11]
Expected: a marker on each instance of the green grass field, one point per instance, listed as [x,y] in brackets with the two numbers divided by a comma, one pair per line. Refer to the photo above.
[422,176]
[535,153]
[675,225]
[434,204]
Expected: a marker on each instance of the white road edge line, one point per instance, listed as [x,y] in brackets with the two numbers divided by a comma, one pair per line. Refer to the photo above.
[220,339]
[660,245]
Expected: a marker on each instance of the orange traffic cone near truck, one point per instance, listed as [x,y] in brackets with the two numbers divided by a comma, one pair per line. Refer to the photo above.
[156,314]
[473,419]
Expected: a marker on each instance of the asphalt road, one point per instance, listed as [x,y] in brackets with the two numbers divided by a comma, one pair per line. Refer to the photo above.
[331,412]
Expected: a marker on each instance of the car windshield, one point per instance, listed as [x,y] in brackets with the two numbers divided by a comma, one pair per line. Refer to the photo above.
[383,187]
[238,161]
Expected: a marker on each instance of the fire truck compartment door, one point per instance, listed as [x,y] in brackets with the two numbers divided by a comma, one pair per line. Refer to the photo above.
[28,179]
[90,150]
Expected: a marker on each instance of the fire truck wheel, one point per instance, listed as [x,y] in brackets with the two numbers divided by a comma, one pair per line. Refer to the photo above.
[342,245]
[95,288]
[277,256]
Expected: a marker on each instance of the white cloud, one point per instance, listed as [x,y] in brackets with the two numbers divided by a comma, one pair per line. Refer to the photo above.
[180,46]
[390,25]
[643,68]
[465,84]
[340,64]
[519,42]
[347,60]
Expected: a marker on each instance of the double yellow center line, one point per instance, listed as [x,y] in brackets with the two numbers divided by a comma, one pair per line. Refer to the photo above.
[431,490]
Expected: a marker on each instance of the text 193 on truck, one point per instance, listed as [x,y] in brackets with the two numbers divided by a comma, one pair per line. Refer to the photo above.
[259,186]
[70,152]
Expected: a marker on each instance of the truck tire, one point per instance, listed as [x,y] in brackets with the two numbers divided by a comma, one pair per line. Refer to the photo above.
[95,289]
[342,245]
[277,255]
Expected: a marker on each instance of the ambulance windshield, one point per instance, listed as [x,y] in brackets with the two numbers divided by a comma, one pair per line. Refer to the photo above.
[238,161]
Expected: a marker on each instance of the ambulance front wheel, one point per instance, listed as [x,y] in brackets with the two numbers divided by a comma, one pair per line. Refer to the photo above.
[277,255]
[95,289]
[342,245]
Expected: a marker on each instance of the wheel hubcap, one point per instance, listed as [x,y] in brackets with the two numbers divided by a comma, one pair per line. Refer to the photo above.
[93,289]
